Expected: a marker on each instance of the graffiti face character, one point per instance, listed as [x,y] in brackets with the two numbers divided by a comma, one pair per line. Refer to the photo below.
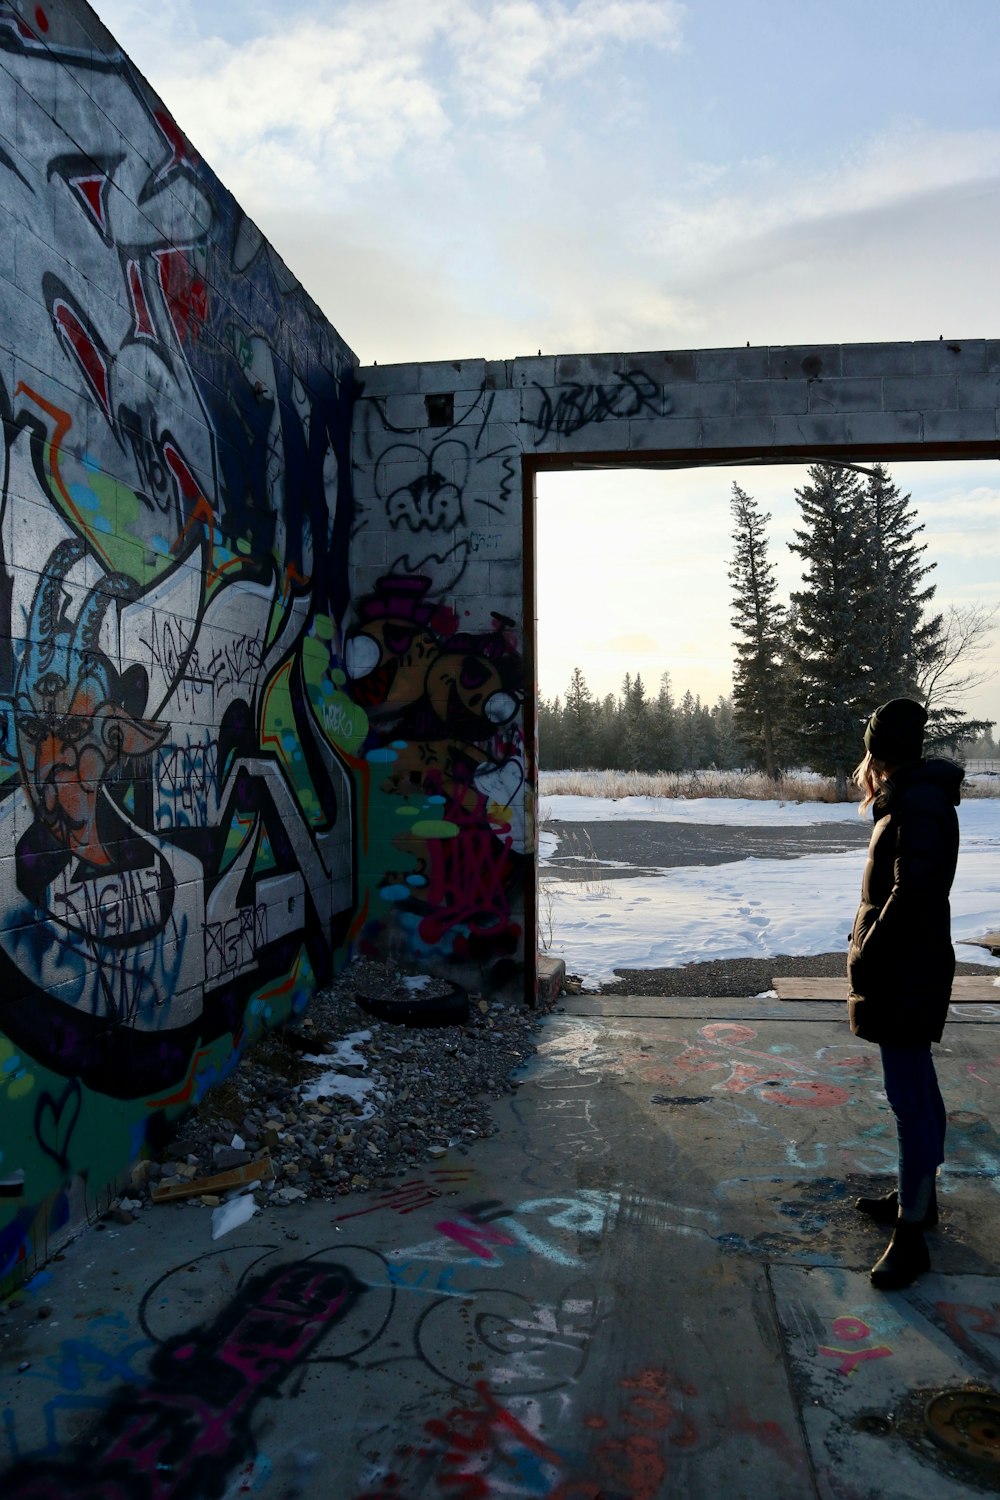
[74,725]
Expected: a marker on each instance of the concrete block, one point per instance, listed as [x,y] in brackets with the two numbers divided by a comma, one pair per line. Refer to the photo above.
[500,543]
[597,437]
[702,398]
[528,371]
[363,485]
[550,977]
[506,578]
[387,380]
[362,582]
[770,397]
[407,412]
[814,361]
[920,393]
[950,356]
[979,391]
[885,427]
[993,356]
[738,432]
[505,437]
[497,375]
[810,429]
[663,367]
[511,607]
[855,393]
[473,582]
[877,359]
[451,375]
[666,433]
[369,548]
[498,406]
[589,369]
[732,364]
[960,426]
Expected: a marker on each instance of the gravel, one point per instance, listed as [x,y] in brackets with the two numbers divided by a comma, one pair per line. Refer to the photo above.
[339,1101]
[739,976]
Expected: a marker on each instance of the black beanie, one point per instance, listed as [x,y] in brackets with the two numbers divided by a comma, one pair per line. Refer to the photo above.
[895,732]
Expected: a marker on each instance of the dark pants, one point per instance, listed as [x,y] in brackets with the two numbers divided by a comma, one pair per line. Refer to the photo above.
[911,1087]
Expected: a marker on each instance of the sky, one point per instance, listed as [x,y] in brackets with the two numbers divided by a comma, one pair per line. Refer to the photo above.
[489,177]
[754,908]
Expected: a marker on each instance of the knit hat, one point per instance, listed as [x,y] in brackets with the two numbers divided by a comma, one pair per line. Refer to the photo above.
[894,733]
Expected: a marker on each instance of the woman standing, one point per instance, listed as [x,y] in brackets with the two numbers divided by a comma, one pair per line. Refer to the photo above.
[901,963]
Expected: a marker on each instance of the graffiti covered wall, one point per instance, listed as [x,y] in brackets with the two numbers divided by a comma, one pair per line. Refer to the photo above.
[438,650]
[175,817]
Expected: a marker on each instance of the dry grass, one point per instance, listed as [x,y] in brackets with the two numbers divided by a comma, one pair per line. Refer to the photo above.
[801,786]
[797,786]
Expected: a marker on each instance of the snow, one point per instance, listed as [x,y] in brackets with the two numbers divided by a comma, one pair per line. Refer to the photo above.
[344,1055]
[749,908]
[232,1214]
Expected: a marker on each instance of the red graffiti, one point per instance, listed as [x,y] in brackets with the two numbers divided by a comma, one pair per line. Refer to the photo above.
[83,346]
[184,292]
[469,874]
[474,1237]
[410,1196]
[963,1319]
[851,1329]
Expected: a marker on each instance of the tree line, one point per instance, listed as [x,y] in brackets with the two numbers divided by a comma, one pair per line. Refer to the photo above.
[807,672]
[634,732]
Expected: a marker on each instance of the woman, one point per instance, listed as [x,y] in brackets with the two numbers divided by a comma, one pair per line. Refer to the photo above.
[901,963]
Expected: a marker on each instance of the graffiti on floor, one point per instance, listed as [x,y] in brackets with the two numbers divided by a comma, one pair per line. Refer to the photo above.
[189,1425]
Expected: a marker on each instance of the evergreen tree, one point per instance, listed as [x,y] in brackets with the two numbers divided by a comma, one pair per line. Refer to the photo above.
[637,749]
[665,726]
[578,714]
[832,636]
[759,620]
[906,641]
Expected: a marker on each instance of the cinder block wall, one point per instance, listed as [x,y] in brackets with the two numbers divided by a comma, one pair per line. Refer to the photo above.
[175,817]
[439,648]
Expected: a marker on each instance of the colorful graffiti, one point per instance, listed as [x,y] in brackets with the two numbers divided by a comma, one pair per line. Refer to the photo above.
[445,755]
[175,803]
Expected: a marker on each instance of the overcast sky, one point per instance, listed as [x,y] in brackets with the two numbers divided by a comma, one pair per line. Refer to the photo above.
[462,178]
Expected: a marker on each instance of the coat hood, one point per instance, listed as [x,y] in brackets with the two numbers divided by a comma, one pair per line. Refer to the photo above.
[920,776]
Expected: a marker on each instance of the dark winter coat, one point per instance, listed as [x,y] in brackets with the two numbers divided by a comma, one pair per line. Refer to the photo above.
[901,962]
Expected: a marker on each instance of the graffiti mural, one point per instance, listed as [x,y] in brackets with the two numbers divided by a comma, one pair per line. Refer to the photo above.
[437,666]
[175,803]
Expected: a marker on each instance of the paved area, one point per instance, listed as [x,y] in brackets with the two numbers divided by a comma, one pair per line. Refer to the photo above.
[620,849]
[651,1283]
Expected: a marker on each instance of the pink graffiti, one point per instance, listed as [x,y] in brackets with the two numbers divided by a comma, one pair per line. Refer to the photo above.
[474,1237]
[850,1330]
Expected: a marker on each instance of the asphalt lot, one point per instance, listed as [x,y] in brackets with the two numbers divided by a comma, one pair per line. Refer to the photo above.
[621,850]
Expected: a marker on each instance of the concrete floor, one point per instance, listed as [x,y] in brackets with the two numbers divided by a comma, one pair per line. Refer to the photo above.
[650,1283]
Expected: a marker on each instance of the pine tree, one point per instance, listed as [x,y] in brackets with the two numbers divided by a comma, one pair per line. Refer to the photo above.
[758,683]
[665,726]
[578,714]
[832,636]
[637,737]
[906,641]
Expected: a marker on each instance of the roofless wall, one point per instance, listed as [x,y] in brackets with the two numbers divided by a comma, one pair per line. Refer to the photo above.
[267,684]
[440,648]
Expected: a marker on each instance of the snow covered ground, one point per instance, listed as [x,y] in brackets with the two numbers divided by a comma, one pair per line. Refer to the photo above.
[750,908]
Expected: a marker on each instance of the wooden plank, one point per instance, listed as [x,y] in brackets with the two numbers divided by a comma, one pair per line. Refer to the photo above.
[251,1171]
[990,940]
[966,989]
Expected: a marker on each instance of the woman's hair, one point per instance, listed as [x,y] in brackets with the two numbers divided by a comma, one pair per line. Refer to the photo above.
[869,775]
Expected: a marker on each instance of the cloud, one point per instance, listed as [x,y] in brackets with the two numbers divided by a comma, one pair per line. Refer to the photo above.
[351,87]
[637,644]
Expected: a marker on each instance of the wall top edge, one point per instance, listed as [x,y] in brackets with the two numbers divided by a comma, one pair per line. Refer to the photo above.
[953,346]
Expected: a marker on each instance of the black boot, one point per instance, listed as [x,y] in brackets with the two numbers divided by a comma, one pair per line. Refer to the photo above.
[905,1258]
[885,1210]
